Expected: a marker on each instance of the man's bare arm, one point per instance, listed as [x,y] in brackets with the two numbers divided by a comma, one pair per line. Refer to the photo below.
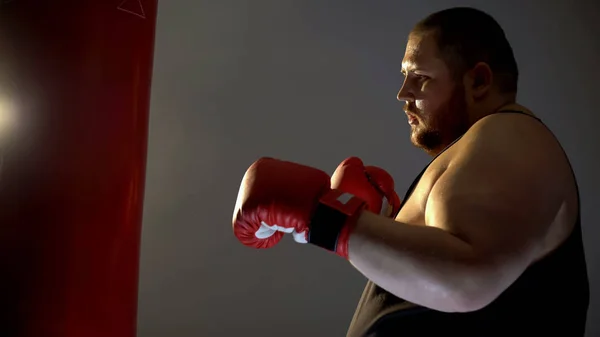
[486,216]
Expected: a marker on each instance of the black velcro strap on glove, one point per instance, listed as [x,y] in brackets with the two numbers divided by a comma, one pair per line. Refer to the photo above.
[325,227]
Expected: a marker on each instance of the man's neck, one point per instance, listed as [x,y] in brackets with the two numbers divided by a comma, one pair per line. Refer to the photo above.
[488,109]
[492,107]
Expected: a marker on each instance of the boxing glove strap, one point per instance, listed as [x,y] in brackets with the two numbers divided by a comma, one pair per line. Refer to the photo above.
[332,220]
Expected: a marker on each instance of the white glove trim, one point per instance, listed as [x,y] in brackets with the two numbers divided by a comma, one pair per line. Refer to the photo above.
[266,231]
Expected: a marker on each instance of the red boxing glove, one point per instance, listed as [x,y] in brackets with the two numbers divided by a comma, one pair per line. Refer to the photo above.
[278,197]
[372,184]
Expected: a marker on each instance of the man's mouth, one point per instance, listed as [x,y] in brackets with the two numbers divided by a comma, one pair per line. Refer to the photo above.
[412,118]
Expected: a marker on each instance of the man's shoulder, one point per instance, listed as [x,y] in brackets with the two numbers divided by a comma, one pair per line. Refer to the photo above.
[508,121]
[509,141]
[514,129]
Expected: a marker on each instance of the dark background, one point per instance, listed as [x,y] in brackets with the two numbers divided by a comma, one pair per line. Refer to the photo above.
[314,82]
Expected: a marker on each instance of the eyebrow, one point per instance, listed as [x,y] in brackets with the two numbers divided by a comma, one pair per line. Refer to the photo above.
[408,66]
[410,70]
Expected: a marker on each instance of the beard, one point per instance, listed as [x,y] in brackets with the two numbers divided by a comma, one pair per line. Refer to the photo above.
[439,128]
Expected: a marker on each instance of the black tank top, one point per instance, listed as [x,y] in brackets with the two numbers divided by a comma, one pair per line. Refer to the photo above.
[549,299]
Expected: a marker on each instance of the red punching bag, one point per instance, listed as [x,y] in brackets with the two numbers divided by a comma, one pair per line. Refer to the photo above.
[74,98]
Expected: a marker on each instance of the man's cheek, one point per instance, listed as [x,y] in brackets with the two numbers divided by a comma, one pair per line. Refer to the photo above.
[421,105]
[426,108]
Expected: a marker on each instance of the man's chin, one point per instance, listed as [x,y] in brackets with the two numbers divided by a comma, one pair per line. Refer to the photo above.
[416,137]
[427,142]
[416,143]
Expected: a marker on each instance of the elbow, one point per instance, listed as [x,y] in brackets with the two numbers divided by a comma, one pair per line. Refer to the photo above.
[457,297]
[459,302]
[469,301]
[479,284]
[475,293]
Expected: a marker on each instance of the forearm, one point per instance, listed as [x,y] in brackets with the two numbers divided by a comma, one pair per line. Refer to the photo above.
[423,265]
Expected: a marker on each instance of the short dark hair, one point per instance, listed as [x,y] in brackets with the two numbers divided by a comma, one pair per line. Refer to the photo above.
[466,36]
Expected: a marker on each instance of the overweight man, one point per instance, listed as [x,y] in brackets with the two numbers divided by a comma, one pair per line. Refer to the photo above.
[487,241]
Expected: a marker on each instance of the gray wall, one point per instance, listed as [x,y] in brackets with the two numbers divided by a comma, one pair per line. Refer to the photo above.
[313,82]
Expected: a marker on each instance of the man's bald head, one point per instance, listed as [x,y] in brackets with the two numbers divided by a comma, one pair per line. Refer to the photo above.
[466,36]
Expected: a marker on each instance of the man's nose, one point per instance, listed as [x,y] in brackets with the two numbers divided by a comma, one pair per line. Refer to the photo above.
[405,94]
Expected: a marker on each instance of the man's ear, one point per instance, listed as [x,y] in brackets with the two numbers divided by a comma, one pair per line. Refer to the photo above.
[479,80]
